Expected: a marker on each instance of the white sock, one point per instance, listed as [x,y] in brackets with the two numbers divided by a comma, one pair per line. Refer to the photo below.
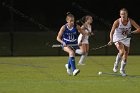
[123,64]
[82,58]
[78,51]
[118,59]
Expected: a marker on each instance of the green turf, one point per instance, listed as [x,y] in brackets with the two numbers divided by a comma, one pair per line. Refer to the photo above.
[48,75]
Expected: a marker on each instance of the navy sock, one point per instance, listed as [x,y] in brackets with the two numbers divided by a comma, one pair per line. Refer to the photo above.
[69,64]
[72,62]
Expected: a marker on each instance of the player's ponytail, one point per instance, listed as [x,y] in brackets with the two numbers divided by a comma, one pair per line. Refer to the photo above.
[68,13]
[79,22]
[83,19]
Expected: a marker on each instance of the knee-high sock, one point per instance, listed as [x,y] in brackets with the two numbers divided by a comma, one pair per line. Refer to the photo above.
[82,58]
[118,59]
[72,63]
[69,64]
[123,64]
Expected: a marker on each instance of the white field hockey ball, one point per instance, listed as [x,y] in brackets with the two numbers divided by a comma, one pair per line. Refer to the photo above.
[99,73]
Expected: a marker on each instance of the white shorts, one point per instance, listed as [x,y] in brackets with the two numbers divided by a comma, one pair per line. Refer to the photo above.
[82,40]
[126,41]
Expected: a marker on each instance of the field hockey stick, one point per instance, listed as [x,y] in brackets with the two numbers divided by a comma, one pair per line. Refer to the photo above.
[60,45]
[99,47]
[107,44]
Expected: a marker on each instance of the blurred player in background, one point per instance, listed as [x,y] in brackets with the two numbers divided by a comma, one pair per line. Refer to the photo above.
[122,28]
[83,40]
[68,34]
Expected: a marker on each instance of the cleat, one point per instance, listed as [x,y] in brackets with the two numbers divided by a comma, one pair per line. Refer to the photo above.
[68,70]
[123,73]
[75,72]
[115,69]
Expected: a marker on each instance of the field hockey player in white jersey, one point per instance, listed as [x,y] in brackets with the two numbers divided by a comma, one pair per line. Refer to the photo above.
[83,40]
[121,29]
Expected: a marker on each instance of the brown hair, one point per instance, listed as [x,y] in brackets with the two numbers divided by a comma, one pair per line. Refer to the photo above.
[85,18]
[69,15]
[124,9]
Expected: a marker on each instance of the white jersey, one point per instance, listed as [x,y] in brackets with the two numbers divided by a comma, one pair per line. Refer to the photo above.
[84,39]
[121,32]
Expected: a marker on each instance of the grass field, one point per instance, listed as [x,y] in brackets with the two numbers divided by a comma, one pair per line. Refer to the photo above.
[48,75]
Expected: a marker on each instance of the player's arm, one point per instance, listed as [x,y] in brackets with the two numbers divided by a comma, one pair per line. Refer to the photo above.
[91,33]
[115,25]
[137,27]
[59,36]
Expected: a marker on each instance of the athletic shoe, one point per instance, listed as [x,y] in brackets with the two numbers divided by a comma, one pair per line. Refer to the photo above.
[123,73]
[68,70]
[115,69]
[75,72]
[81,64]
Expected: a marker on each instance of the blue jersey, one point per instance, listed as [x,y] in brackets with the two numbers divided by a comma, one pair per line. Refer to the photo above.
[70,36]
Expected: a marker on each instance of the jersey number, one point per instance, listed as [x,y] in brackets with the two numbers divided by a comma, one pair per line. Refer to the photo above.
[125,32]
[71,37]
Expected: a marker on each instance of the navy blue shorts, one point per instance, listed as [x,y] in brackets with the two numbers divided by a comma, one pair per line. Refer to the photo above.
[72,47]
